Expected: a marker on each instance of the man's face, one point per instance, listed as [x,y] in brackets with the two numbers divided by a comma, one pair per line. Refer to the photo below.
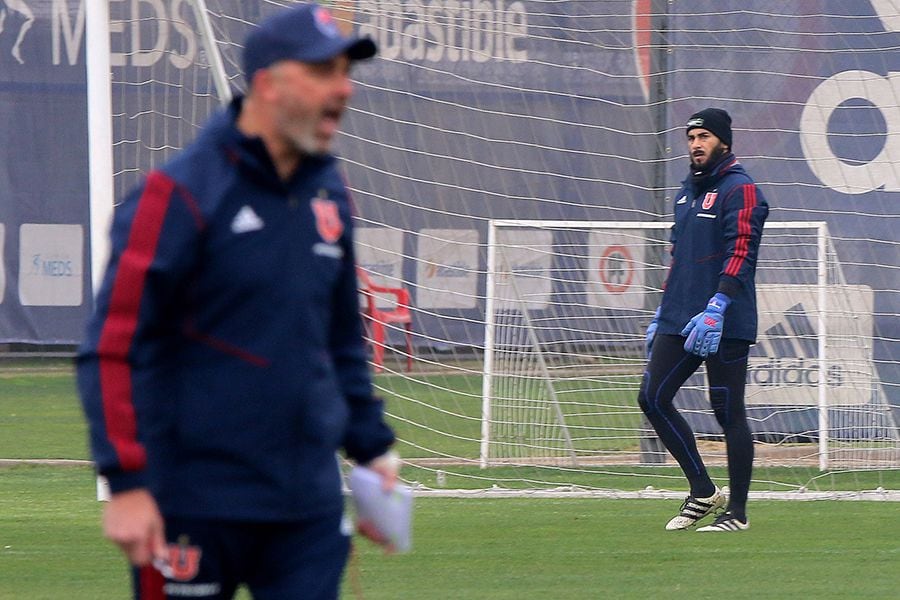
[309,99]
[704,147]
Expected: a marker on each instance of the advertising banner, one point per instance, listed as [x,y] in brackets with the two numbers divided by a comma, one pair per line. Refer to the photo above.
[784,364]
[479,110]
[44,282]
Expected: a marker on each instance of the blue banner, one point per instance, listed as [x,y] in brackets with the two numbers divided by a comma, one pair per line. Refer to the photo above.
[44,272]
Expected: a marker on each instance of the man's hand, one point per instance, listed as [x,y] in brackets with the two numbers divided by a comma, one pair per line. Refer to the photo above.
[132,521]
[651,334]
[388,466]
[704,331]
[368,530]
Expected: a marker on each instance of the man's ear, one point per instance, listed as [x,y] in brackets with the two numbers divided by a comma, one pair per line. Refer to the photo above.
[261,84]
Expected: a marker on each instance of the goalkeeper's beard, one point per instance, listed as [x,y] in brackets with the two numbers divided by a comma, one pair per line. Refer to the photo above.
[714,156]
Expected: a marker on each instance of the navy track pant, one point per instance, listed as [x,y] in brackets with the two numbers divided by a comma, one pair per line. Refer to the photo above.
[210,559]
[669,367]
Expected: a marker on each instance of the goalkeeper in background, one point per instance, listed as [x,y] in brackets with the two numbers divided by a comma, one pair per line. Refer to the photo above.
[225,364]
[708,314]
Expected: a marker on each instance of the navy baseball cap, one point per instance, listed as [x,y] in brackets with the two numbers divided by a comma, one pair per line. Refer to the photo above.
[308,33]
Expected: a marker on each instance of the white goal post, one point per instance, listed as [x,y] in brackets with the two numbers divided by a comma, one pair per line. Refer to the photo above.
[567,303]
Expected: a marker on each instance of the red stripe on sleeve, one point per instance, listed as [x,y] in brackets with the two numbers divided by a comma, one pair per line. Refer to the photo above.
[742,245]
[121,321]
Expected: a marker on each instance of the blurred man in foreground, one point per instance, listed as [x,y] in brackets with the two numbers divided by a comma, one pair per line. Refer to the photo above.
[225,364]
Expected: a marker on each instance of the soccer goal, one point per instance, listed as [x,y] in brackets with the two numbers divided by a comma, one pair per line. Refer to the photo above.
[528,333]
[567,306]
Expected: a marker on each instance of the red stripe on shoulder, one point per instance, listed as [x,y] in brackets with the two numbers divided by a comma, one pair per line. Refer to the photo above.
[121,320]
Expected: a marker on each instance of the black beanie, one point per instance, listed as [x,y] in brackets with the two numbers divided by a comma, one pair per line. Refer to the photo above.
[714,120]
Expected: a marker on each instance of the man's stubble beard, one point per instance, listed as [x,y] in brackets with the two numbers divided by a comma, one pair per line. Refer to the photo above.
[306,143]
[302,135]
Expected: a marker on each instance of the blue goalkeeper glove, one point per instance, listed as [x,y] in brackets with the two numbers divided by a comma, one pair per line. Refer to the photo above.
[651,334]
[704,331]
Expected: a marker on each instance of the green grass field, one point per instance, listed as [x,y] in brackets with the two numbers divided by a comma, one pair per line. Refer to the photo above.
[454,410]
[473,548]
[50,548]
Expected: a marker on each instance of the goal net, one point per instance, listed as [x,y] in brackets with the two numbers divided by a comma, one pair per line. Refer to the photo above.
[567,306]
[526,337]
[173,64]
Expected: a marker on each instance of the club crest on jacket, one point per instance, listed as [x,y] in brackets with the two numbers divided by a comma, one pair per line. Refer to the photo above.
[328,219]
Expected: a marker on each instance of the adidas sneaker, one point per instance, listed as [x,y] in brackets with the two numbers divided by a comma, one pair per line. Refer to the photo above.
[726,522]
[694,509]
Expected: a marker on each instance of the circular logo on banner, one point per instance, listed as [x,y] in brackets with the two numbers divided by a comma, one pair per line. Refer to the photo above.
[616,269]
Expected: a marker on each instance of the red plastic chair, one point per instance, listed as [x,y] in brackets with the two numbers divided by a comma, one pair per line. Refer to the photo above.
[376,319]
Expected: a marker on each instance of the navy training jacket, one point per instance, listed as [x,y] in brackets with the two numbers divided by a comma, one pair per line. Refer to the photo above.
[715,242]
[224,365]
